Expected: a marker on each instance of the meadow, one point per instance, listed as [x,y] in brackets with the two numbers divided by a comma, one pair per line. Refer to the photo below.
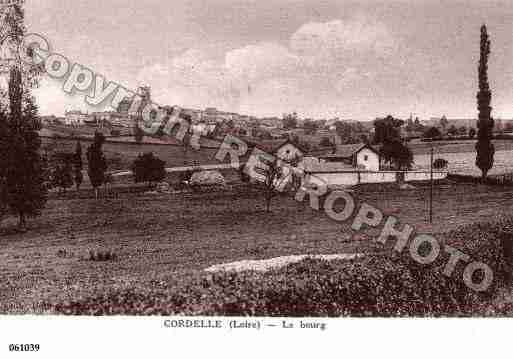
[169,237]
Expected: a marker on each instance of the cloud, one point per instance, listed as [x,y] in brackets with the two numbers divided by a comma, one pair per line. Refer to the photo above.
[320,62]
[261,61]
[51,96]
[343,38]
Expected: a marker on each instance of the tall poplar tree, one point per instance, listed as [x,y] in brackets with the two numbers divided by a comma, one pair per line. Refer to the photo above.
[78,165]
[97,164]
[484,147]
[4,156]
[23,186]
[25,182]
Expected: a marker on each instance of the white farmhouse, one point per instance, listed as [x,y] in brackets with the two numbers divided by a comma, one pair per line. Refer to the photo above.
[359,156]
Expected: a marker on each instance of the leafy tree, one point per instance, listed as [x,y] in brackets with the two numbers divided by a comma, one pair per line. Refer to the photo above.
[12,33]
[453,130]
[484,147]
[4,161]
[344,130]
[25,183]
[22,169]
[97,164]
[472,132]
[397,154]
[310,127]
[444,123]
[432,132]
[325,142]
[78,165]
[148,168]
[387,129]
[290,121]
[62,172]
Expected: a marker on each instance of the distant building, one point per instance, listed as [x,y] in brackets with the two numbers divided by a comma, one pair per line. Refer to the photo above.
[457,122]
[196,116]
[273,122]
[51,120]
[75,118]
[111,119]
[284,150]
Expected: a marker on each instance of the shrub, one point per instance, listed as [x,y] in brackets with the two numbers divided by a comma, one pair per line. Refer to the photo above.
[325,142]
[397,154]
[386,286]
[373,286]
[504,180]
[440,163]
[490,243]
[148,168]
[432,132]
[102,256]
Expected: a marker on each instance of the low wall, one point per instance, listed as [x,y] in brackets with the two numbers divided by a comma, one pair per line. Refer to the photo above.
[424,175]
[351,178]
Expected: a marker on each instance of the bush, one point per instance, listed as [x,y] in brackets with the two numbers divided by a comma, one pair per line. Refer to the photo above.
[440,163]
[385,286]
[490,243]
[373,286]
[102,256]
[504,180]
[325,142]
[148,168]
[432,132]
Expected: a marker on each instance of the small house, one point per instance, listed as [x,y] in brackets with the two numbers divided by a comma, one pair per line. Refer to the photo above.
[359,156]
[284,150]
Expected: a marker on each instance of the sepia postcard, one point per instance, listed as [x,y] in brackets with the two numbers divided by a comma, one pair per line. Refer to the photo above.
[282,173]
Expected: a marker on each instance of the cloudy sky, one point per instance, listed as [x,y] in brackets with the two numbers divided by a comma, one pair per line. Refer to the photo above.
[322,58]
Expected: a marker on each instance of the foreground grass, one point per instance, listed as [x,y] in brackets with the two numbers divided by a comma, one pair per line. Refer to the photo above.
[388,285]
[167,239]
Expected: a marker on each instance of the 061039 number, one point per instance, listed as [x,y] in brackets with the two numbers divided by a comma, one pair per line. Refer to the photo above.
[23,347]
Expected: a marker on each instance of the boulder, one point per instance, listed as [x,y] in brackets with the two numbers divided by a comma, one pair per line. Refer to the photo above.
[406,186]
[207,178]
[163,187]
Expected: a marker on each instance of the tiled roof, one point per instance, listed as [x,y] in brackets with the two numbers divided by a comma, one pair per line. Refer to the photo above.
[349,150]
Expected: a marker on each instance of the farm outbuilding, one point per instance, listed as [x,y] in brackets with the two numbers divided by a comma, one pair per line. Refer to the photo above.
[359,156]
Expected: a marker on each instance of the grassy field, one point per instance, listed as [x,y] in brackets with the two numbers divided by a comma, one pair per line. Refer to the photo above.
[169,236]
[120,155]
[455,146]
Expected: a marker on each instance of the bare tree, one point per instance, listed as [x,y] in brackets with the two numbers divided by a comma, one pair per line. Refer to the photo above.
[273,176]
